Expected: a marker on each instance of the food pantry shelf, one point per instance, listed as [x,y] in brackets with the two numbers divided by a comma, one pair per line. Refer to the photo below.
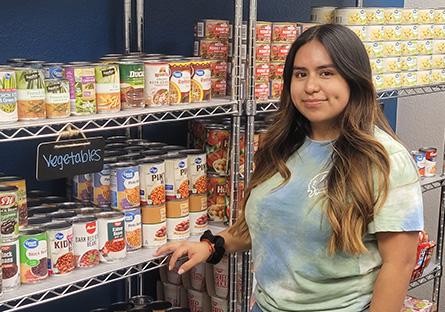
[432,183]
[80,280]
[45,128]
[431,272]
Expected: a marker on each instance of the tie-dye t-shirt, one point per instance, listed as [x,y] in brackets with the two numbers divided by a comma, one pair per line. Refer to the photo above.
[290,232]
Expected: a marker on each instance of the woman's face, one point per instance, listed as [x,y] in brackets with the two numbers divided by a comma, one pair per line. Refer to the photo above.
[318,91]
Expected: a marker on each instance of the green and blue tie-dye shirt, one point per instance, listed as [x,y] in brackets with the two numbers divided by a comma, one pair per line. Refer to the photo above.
[290,232]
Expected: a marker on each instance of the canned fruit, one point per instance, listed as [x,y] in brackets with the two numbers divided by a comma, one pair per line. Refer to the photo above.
[393,15]
[82,82]
[201,81]
[133,229]
[60,248]
[30,94]
[157,83]
[284,32]
[211,49]
[124,184]
[374,49]
[350,16]
[375,16]
[408,63]
[108,96]
[392,48]
[111,236]
[10,265]
[154,235]
[409,16]
[8,96]
[279,51]
[217,197]
[85,241]
[409,32]
[424,62]
[131,84]
[424,77]
[323,15]
[212,29]
[180,82]
[33,255]
[360,31]
[57,98]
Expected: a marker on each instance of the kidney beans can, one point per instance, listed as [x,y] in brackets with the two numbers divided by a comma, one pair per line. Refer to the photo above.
[176,180]
[152,178]
[133,229]
[178,220]
[131,84]
[22,206]
[124,183]
[10,265]
[111,236]
[9,216]
[33,255]
[30,93]
[85,241]
[157,79]
[57,98]
[60,244]
[82,82]
[8,96]
[430,160]
[108,96]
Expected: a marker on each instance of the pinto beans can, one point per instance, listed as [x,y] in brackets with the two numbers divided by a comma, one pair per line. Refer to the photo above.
[176,180]
[124,184]
[33,255]
[196,170]
[85,241]
[9,217]
[22,206]
[133,229]
[131,84]
[10,265]
[157,79]
[8,96]
[180,82]
[108,96]
[60,244]
[152,175]
[111,236]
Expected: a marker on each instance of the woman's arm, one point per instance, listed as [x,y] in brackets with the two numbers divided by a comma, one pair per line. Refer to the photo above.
[398,252]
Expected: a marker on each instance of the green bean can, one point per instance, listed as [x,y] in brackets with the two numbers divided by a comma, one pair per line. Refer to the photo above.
[131,84]
[8,96]
[9,215]
[30,93]
[33,255]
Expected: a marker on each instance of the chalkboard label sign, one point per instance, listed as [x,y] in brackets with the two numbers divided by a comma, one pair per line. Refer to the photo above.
[68,158]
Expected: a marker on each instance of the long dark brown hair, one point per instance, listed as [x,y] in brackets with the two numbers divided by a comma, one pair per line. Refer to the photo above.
[357,182]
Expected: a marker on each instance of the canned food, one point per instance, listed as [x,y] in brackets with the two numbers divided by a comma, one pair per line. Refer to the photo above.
[154,226]
[152,179]
[157,75]
[262,91]
[218,69]
[82,187]
[82,82]
[424,77]
[30,93]
[8,96]
[409,16]
[374,49]
[41,210]
[439,31]
[33,221]
[424,62]
[219,87]
[217,198]
[408,63]
[53,70]
[393,15]
[180,82]
[426,31]
[263,32]
[101,184]
[375,33]
[201,83]
[438,61]
[111,236]
[198,202]
[360,31]
[34,64]
[176,180]
[196,170]
[212,29]
[33,255]
[276,87]
[375,16]
[430,160]
[115,146]
[211,49]
[419,159]
[409,48]
[22,207]
[68,206]
[154,214]
[350,16]
[425,16]
[60,244]
[9,216]
[323,15]
[263,52]
[57,98]
[108,96]
[124,185]
[10,265]
[284,32]
[217,148]
[85,241]
[133,229]
[391,32]
[17,61]
[438,75]
[61,215]
[392,48]
[198,222]
[276,70]
[279,51]
[131,84]
[262,71]
[409,32]
[89,211]
[178,221]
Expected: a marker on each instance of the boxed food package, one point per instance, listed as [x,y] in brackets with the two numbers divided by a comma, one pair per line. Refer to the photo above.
[412,304]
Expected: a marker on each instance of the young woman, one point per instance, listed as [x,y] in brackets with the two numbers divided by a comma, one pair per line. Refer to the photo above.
[335,206]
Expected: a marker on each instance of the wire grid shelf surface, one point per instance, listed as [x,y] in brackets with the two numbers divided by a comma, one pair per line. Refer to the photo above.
[80,280]
[431,272]
[25,130]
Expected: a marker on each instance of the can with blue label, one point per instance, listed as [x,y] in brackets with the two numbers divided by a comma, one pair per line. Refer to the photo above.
[133,229]
[60,248]
[419,159]
[53,70]
[124,184]
[33,255]
[101,184]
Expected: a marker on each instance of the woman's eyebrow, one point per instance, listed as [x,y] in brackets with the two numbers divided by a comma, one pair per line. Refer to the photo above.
[318,67]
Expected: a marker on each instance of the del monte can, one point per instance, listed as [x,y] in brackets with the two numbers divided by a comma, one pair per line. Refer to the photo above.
[132,84]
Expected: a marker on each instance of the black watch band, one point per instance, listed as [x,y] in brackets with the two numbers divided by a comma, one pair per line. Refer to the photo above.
[218,243]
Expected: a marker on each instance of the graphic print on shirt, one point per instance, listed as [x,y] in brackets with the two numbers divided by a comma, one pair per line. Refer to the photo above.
[317,185]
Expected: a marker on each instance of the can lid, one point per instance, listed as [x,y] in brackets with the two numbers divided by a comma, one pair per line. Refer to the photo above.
[154,152]
[37,193]
[130,157]
[120,306]
[217,126]
[135,141]
[113,153]
[68,205]
[53,199]
[109,215]
[193,151]
[123,164]
[62,214]
[112,146]
[151,160]
[57,225]
[7,188]
[17,60]
[100,310]
[53,64]
[158,305]
[116,139]
[38,220]
[130,61]
[32,230]
[174,155]
[41,209]
[83,218]
[141,300]
[110,160]
[10,178]
[153,145]
[34,62]
[169,148]
[133,148]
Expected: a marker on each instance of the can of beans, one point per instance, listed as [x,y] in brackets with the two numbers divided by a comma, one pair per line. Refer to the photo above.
[101,184]
[198,213]
[85,241]
[124,185]
[178,220]
[180,82]
[419,159]
[10,265]
[430,161]
[217,198]
[176,180]
[154,225]
[60,248]
[20,183]
[196,170]
[111,236]
[133,229]
[9,216]
[152,175]
[33,255]
[82,187]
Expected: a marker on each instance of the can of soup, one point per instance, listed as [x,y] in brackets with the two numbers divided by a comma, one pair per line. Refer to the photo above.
[60,248]
[85,241]
[217,198]
[111,236]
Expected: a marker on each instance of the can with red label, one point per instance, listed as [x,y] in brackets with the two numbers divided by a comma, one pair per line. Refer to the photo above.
[217,148]
[262,90]
[211,49]
[279,51]
[218,69]
[219,87]
[263,32]
[217,198]
[85,241]
[263,52]
[212,29]
[22,207]
[430,161]
[419,159]
[276,86]
[276,70]
[262,71]
[9,216]
[284,32]
[111,236]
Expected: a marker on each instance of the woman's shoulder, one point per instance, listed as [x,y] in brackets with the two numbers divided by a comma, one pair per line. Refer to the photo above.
[392,145]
